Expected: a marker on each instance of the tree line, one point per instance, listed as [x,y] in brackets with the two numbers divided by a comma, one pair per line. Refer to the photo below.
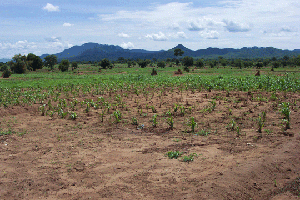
[21,63]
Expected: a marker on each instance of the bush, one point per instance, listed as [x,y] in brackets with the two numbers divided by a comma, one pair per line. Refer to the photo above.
[105,63]
[6,73]
[199,63]
[74,65]
[18,67]
[3,68]
[64,65]
[161,64]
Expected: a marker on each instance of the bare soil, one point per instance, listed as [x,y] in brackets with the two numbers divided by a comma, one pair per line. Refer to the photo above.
[53,158]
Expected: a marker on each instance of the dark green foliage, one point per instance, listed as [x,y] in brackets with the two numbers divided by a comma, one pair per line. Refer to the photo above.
[74,65]
[143,63]
[64,65]
[50,61]
[276,64]
[178,52]
[174,154]
[105,63]
[6,73]
[161,64]
[188,61]
[199,63]
[130,64]
[34,62]
[259,65]
[3,68]
[18,64]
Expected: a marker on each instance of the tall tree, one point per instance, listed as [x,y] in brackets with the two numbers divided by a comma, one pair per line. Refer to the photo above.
[50,61]
[34,62]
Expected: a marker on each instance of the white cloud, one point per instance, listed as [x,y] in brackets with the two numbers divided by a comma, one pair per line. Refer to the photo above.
[51,8]
[8,50]
[236,27]
[123,35]
[209,34]
[128,45]
[196,25]
[53,39]
[68,24]
[180,34]
[157,37]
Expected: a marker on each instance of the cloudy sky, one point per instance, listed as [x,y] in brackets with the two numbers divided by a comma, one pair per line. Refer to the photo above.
[39,26]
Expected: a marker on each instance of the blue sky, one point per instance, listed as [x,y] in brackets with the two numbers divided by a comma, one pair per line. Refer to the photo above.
[39,27]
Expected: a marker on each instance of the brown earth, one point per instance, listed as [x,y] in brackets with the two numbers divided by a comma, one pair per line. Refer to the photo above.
[53,158]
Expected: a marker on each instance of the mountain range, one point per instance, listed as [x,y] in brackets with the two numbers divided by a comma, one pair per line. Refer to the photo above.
[96,52]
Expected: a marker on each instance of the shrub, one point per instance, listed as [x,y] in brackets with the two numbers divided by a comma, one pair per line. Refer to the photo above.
[64,65]
[6,73]
[161,64]
[3,68]
[74,65]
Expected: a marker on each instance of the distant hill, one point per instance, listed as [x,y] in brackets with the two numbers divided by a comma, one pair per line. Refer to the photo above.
[4,60]
[97,52]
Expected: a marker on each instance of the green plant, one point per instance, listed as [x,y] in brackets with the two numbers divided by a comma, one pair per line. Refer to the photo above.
[192,123]
[175,108]
[154,120]
[102,115]
[173,154]
[8,132]
[182,110]
[73,116]
[134,121]
[189,158]
[42,108]
[203,132]
[118,116]
[232,125]
[170,122]
[285,110]
[153,109]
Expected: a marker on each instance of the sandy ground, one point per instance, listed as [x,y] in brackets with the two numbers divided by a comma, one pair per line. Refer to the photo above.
[53,158]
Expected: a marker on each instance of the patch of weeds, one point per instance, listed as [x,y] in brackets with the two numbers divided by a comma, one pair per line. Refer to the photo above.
[173,154]
[134,121]
[22,133]
[176,140]
[189,158]
[8,132]
[203,132]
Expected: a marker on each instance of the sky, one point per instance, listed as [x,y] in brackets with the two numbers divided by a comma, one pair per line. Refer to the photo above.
[40,27]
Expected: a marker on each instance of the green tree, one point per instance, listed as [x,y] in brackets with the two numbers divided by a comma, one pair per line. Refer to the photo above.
[50,61]
[259,65]
[105,63]
[143,63]
[34,62]
[161,64]
[74,65]
[199,63]
[18,64]
[178,52]
[64,65]
[187,62]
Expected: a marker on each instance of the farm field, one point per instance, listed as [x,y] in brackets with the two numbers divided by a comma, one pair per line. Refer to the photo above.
[124,134]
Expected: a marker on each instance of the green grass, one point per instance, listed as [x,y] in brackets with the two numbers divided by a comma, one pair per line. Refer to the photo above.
[32,87]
